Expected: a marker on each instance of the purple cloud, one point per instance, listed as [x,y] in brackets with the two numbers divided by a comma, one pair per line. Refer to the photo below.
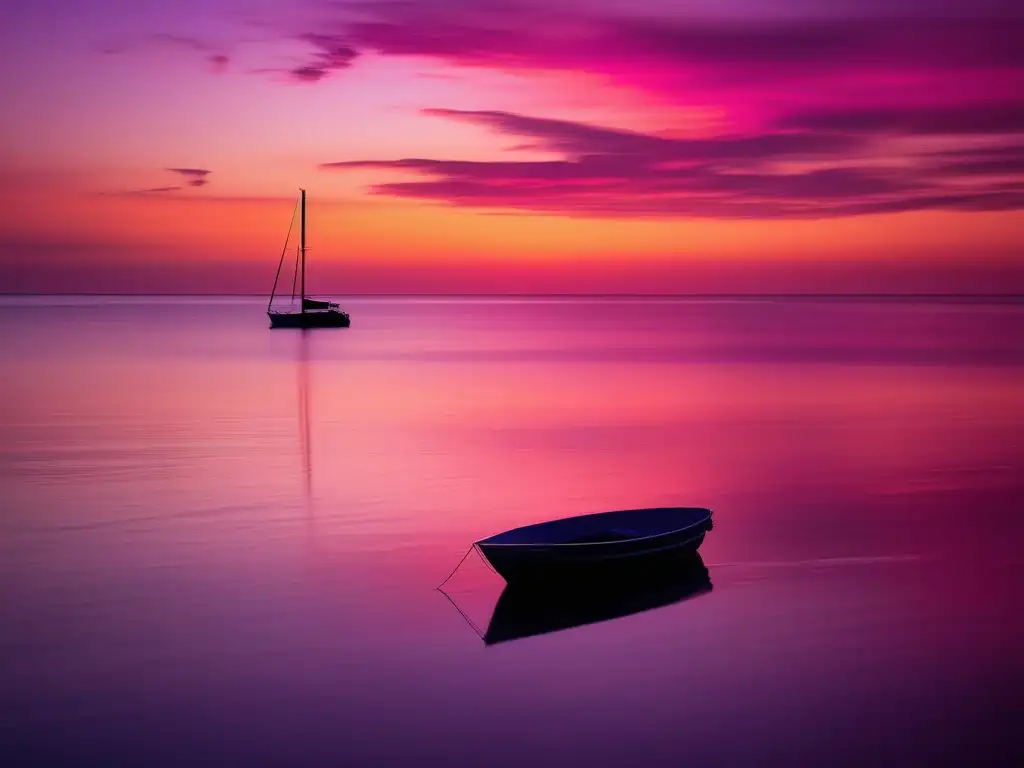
[863,54]
[609,172]
[1005,160]
[983,167]
[999,118]
[883,41]
[196,176]
[218,62]
[332,54]
[213,53]
[184,41]
[749,63]
[578,139]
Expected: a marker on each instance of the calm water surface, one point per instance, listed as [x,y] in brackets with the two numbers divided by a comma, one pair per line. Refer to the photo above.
[219,544]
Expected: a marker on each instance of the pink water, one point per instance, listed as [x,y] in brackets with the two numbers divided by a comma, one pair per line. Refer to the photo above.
[219,543]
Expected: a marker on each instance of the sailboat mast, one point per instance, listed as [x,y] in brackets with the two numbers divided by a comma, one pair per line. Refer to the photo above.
[302,299]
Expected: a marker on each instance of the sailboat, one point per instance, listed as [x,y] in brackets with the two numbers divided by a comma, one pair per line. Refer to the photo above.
[311,313]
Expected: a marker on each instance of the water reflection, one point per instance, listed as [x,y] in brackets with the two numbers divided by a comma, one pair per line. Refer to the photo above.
[175,591]
[526,610]
[304,437]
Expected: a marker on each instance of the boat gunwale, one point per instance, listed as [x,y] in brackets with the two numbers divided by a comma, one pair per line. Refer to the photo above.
[617,541]
[549,545]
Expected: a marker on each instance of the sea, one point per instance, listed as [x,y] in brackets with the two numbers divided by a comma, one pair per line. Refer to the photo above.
[220,544]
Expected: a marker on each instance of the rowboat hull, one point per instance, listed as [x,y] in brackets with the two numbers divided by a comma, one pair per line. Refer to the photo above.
[590,546]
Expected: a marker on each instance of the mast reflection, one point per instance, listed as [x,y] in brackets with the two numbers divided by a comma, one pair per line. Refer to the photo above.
[304,436]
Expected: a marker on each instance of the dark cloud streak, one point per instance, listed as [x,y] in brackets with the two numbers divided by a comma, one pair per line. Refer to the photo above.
[218,62]
[610,172]
[332,54]
[998,118]
[577,139]
[214,54]
[196,176]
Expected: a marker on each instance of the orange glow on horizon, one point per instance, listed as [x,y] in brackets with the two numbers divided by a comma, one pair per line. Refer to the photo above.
[251,229]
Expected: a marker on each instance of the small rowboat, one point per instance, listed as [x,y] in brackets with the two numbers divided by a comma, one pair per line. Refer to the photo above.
[587,544]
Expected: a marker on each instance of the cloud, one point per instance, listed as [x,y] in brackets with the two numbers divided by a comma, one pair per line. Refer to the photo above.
[193,177]
[218,62]
[183,41]
[750,57]
[999,118]
[1004,160]
[578,139]
[885,41]
[332,54]
[196,176]
[779,173]
[764,56]
[213,53]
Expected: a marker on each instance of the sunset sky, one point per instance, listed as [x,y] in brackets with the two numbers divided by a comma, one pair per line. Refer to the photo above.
[514,146]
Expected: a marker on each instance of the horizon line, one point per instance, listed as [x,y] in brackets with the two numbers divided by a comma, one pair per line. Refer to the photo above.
[809,294]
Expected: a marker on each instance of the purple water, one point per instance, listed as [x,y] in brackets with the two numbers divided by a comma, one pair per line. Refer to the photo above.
[219,543]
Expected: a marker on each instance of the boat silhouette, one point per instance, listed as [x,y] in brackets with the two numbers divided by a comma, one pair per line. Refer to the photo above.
[311,313]
[527,610]
[582,546]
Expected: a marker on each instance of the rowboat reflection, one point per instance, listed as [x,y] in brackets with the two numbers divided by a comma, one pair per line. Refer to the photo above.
[526,610]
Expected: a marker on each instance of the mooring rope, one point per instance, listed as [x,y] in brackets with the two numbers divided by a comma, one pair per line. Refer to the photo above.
[456,568]
[471,548]
[469,621]
[449,598]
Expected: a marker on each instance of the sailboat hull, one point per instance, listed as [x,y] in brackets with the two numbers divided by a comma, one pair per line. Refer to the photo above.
[329,319]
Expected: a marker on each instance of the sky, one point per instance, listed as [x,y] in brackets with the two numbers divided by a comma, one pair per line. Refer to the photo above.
[513,146]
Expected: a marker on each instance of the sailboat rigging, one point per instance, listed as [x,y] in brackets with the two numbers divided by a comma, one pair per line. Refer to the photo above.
[311,313]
